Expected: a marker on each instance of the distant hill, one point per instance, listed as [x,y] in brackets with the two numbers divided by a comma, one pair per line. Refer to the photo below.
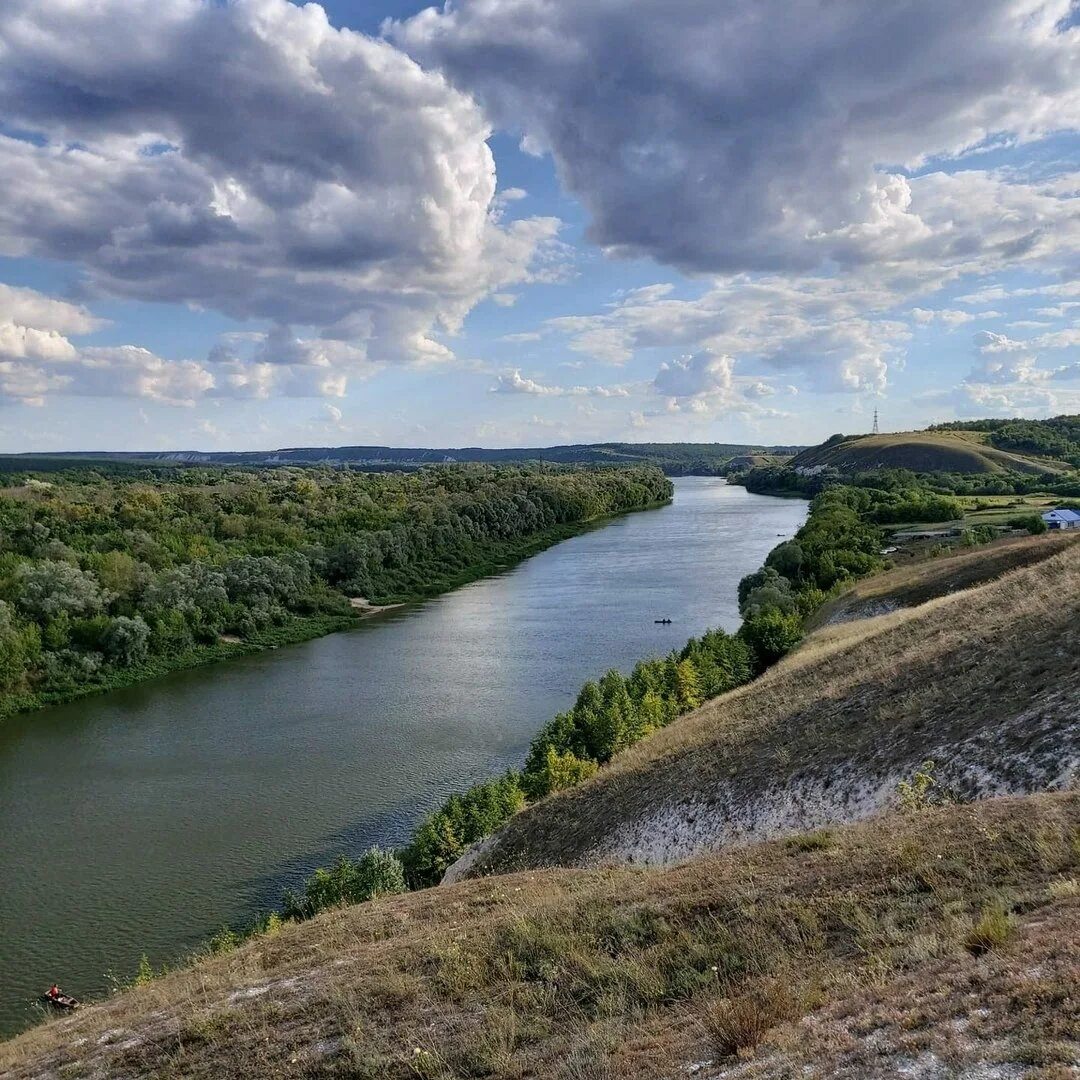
[674,458]
[924,451]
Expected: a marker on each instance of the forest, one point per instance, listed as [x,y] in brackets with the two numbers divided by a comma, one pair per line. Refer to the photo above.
[109,576]
[911,488]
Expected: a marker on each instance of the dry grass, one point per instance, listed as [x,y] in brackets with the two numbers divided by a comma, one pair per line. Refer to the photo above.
[738,1024]
[985,681]
[598,974]
[915,583]
[925,451]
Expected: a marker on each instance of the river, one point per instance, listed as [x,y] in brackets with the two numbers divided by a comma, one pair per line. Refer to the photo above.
[143,819]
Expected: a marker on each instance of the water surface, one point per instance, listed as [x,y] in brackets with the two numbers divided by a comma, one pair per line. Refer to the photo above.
[141,820]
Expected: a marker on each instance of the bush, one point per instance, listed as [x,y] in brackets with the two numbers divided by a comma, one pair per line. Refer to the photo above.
[741,1023]
[375,873]
[125,641]
[771,636]
[47,589]
[1032,523]
[558,772]
[917,794]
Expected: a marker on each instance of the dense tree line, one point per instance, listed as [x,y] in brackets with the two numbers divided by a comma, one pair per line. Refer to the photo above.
[911,488]
[676,459]
[1058,437]
[105,576]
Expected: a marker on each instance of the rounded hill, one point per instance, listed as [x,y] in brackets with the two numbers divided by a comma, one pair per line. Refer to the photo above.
[921,451]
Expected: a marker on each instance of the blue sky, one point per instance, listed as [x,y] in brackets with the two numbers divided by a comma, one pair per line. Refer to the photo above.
[511,222]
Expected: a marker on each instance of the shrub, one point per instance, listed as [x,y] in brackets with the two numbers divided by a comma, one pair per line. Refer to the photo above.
[559,771]
[47,589]
[1032,523]
[375,873]
[125,641]
[917,794]
[742,1023]
[771,636]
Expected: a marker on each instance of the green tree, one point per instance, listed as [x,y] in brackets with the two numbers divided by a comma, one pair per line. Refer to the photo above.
[376,873]
[771,636]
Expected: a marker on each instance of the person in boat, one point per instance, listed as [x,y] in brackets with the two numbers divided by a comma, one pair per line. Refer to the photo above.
[55,993]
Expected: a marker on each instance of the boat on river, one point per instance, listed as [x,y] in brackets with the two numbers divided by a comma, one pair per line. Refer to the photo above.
[61,1002]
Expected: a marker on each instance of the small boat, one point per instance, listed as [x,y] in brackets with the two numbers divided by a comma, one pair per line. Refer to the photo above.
[662,622]
[61,1002]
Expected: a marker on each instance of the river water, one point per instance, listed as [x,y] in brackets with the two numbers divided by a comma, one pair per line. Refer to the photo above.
[144,819]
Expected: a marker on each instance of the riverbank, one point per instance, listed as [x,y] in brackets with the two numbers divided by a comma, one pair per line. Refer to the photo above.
[300,628]
[203,795]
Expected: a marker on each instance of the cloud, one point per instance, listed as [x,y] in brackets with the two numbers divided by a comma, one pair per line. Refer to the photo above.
[39,359]
[951,317]
[829,330]
[514,382]
[723,138]
[694,376]
[251,158]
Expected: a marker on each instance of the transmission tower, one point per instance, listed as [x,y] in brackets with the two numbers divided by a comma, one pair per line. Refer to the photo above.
[877,430]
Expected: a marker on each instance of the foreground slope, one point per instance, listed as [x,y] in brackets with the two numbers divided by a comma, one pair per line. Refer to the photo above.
[923,452]
[941,942]
[986,682]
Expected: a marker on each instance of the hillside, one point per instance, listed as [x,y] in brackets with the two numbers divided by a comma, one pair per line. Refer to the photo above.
[985,681]
[939,941]
[923,452]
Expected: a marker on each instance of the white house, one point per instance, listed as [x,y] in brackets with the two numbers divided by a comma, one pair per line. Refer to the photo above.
[1062,519]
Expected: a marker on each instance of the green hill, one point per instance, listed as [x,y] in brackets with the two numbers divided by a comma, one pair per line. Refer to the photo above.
[923,452]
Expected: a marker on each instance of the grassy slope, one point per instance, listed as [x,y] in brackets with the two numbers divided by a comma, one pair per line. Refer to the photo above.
[916,583]
[605,974]
[985,681]
[924,451]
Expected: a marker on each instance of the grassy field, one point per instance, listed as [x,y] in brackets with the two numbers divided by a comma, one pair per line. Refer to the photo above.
[758,960]
[996,510]
[924,451]
[986,681]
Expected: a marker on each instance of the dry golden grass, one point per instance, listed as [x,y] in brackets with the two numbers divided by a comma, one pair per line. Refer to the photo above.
[991,674]
[915,583]
[739,959]
[925,451]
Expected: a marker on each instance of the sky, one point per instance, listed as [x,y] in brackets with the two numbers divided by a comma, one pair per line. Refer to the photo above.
[249,224]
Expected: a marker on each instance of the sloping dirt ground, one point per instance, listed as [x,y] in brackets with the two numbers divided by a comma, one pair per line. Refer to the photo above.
[935,940]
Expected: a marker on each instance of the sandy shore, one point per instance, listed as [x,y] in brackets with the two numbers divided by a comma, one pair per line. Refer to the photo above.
[366,607]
